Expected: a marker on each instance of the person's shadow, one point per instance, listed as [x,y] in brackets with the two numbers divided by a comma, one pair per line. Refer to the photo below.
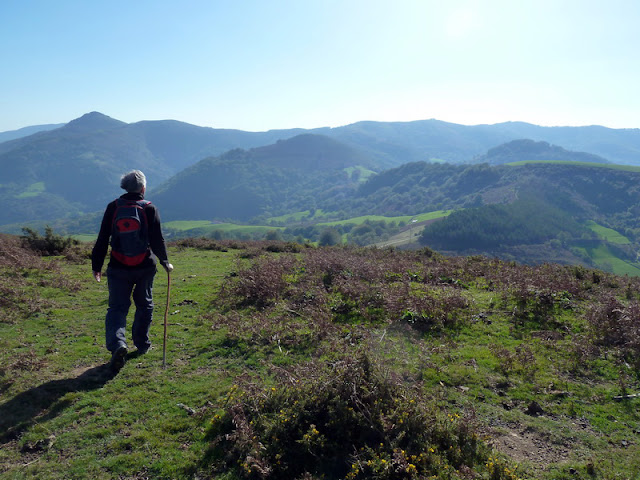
[45,401]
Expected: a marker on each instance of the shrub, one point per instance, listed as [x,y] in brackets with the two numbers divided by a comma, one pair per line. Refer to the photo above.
[15,256]
[263,283]
[330,236]
[50,244]
[353,285]
[613,325]
[345,420]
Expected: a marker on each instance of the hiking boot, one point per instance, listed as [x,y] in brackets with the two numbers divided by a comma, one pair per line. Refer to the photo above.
[118,358]
[143,350]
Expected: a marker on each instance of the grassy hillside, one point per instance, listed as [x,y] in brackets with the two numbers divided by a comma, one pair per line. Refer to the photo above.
[302,226]
[402,218]
[605,258]
[608,234]
[287,362]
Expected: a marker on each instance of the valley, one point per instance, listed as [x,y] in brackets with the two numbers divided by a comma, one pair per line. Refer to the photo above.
[526,200]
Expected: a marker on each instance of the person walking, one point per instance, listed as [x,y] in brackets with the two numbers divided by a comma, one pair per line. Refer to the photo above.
[131,225]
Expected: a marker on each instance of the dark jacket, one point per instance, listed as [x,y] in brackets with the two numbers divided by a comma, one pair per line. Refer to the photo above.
[156,240]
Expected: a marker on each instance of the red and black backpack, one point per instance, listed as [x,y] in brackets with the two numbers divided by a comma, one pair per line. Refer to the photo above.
[130,232]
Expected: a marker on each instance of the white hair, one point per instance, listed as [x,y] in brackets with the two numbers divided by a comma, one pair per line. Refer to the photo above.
[133,181]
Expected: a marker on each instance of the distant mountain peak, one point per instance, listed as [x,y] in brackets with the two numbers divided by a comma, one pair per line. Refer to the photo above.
[93,121]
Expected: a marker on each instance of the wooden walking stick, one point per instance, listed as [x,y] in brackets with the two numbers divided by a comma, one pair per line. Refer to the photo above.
[166,312]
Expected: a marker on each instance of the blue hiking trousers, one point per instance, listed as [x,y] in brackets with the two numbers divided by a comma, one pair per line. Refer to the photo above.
[122,283]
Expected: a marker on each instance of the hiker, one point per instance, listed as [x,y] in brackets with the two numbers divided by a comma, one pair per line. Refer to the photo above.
[133,225]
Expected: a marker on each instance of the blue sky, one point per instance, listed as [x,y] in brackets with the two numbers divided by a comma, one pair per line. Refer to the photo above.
[260,65]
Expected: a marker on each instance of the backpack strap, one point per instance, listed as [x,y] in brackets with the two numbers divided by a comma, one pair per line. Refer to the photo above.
[120,202]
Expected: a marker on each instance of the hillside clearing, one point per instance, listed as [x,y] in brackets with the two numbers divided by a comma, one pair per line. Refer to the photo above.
[608,234]
[607,260]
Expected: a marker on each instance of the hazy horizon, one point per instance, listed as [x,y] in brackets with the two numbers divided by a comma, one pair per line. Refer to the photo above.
[260,66]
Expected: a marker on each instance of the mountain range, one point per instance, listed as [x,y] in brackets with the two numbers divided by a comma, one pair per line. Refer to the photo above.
[26,131]
[397,168]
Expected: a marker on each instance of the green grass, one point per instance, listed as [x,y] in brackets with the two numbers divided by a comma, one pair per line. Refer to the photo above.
[608,234]
[85,237]
[187,224]
[210,228]
[205,227]
[401,219]
[410,235]
[69,418]
[33,190]
[365,173]
[605,259]
[106,427]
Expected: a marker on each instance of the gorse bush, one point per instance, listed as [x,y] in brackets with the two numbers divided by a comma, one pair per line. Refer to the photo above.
[50,244]
[345,420]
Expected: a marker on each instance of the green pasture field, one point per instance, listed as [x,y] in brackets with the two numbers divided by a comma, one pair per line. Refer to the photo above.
[365,173]
[605,259]
[85,237]
[187,224]
[608,234]
[206,227]
[402,219]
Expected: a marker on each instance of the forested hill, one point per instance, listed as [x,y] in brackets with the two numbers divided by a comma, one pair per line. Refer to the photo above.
[534,213]
[530,150]
[75,169]
[607,192]
[311,152]
[242,184]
